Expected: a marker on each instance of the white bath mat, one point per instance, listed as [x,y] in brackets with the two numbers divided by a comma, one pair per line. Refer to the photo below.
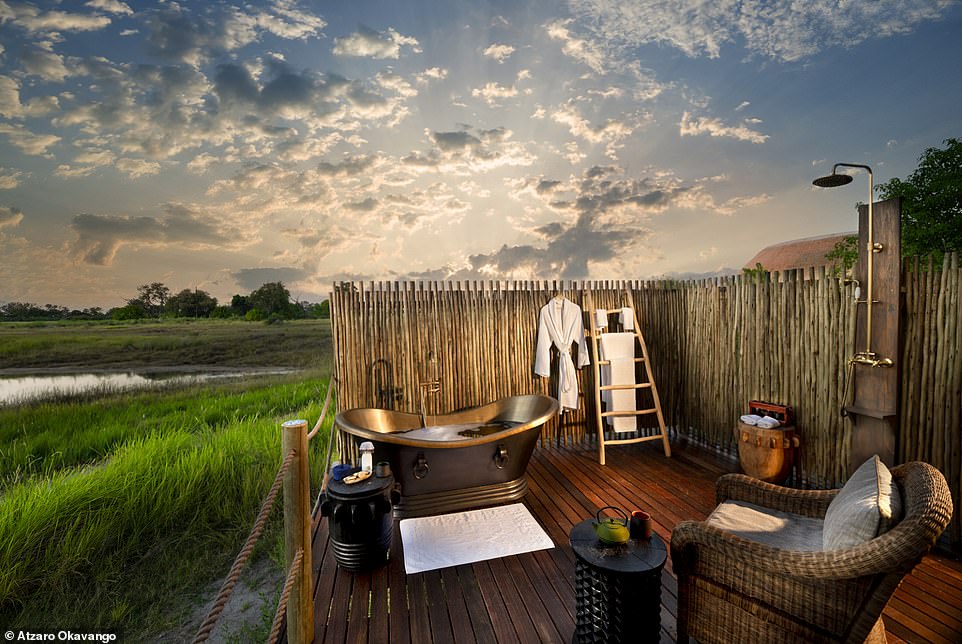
[465,537]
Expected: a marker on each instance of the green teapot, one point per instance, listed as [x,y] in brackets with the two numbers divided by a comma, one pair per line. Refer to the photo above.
[609,529]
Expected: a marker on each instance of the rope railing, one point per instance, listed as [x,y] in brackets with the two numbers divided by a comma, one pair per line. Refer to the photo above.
[285,596]
[297,530]
[227,588]
[317,427]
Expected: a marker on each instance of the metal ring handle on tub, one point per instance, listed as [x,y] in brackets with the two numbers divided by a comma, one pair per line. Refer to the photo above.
[616,509]
[501,457]
[421,468]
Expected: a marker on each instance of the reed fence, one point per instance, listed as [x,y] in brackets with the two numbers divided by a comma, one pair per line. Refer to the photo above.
[714,344]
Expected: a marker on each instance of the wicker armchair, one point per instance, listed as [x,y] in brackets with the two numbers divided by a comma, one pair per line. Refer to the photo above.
[731,589]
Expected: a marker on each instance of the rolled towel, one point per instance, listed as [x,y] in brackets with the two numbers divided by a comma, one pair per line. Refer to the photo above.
[627,319]
[601,318]
[750,419]
[768,423]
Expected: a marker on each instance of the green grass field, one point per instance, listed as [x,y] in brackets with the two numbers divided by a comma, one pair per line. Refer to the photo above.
[163,343]
[117,510]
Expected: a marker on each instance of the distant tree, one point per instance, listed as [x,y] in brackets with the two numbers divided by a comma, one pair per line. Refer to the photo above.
[319,310]
[254,315]
[133,311]
[755,273]
[240,305]
[271,299]
[191,304]
[222,312]
[15,311]
[843,255]
[21,311]
[931,202]
[152,298]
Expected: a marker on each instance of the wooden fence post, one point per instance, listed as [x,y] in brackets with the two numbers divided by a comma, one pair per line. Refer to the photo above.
[297,532]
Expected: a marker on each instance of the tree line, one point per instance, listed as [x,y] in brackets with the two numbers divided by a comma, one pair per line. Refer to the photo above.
[271,301]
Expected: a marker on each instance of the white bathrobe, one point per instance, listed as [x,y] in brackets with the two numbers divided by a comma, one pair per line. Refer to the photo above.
[560,323]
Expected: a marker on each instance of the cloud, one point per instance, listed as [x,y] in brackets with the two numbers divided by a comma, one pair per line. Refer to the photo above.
[135,168]
[11,106]
[781,31]
[10,217]
[461,152]
[693,126]
[498,52]
[34,21]
[366,42]
[612,132]
[350,166]
[430,74]
[492,93]
[580,49]
[178,34]
[42,62]
[10,179]
[100,237]
[254,278]
[604,223]
[68,171]
[110,6]
[27,141]
[321,99]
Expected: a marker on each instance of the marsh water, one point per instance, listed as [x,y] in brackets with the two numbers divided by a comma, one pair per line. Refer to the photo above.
[19,389]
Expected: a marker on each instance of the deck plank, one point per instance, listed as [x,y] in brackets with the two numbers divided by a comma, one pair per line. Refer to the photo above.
[480,618]
[530,597]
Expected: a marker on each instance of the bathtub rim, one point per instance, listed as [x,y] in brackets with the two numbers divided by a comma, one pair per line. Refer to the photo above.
[465,415]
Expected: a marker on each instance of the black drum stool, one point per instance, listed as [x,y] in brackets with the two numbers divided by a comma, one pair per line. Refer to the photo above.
[617,588]
[360,521]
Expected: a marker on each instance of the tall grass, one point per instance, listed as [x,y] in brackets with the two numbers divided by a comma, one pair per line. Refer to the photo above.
[121,542]
[120,511]
[44,437]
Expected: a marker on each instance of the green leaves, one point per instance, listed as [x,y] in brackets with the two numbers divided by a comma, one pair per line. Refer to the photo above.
[931,202]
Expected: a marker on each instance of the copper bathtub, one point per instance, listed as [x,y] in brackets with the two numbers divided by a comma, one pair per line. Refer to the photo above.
[467,470]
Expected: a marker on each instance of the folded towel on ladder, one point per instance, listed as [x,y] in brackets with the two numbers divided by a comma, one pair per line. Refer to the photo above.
[619,349]
[627,319]
[601,318]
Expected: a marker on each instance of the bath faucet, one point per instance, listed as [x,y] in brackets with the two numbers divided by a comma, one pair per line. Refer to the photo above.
[430,385]
[868,358]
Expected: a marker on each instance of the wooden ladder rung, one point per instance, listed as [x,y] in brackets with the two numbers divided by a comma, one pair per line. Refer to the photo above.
[609,361]
[640,385]
[639,439]
[634,412]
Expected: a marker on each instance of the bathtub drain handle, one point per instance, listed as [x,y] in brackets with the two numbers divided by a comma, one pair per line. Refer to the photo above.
[501,457]
[421,467]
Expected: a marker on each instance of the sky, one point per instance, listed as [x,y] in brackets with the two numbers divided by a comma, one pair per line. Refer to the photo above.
[220,146]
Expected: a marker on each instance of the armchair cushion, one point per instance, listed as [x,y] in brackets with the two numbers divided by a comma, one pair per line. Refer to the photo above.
[767,526]
[863,508]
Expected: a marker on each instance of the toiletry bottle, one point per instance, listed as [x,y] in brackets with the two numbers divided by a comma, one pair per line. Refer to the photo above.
[367,456]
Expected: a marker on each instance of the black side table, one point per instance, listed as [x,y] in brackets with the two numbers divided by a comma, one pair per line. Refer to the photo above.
[618,588]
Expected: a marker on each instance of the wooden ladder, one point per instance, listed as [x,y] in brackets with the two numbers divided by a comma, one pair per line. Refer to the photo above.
[650,384]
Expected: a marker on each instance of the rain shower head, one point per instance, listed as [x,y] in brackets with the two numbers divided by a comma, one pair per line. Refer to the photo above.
[833,180]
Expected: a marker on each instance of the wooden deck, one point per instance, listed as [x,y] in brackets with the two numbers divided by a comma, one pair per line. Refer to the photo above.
[530,597]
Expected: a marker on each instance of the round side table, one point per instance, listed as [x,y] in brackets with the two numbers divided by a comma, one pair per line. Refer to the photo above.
[617,587]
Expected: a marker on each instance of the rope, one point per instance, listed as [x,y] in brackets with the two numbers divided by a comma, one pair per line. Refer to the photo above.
[228,586]
[320,420]
[286,595]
